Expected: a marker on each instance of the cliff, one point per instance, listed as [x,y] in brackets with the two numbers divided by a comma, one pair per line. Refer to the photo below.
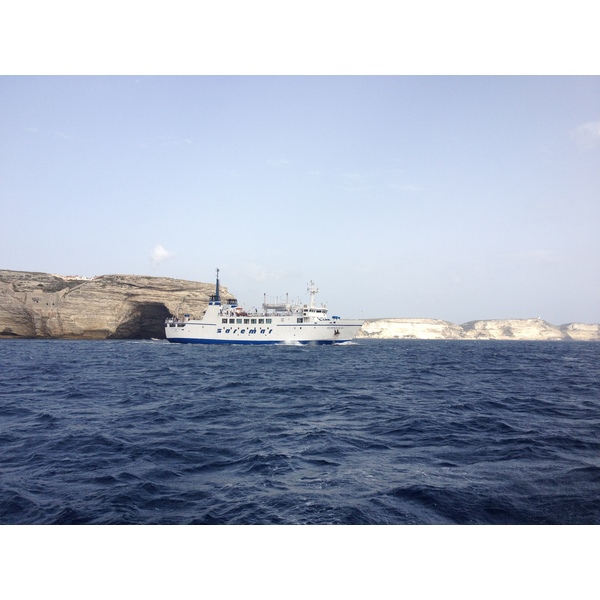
[497,329]
[110,306]
[131,306]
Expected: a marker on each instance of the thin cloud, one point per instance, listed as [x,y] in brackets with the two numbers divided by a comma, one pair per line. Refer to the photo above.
[405,187]
[169,140]
[536,255]
[278,162]
[259,272]
[354,176]
[587,135]
[160,254]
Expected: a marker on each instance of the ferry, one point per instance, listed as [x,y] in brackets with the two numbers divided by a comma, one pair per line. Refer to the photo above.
[224,322]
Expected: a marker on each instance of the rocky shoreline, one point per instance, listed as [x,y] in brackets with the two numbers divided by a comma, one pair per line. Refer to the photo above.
[494,329]
[40,305]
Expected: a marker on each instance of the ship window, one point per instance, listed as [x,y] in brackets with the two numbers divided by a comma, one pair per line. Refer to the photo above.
[223,320]
[238,320]
[299,320]
[246,321]
[261,320]
[232,320]
[253,321]
[268,320]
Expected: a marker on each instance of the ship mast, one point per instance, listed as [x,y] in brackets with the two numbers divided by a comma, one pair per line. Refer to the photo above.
[216,297]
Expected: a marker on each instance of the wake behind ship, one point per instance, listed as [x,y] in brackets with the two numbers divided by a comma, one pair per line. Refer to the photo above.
[227,323]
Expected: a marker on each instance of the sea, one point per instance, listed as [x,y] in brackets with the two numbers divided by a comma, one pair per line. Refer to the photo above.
[372,432]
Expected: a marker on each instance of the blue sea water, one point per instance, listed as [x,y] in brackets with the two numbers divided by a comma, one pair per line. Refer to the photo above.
[371,432]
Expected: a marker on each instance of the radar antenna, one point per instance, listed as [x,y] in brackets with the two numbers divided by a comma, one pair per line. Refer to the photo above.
[312,291]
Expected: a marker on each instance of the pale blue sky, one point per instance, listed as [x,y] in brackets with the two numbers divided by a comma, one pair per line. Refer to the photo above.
[456,198]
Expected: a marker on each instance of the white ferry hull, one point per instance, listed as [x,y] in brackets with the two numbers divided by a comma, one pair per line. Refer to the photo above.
[279,323]
[198,332]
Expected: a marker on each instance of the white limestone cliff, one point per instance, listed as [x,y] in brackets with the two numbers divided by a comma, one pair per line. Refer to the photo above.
[495,329]
[512,329]
[419,329]
[581,331]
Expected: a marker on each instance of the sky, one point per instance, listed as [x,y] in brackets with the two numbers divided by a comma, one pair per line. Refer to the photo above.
[447,197]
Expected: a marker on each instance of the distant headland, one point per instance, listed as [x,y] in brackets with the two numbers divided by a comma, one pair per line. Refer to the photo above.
[41,305]
[494,329]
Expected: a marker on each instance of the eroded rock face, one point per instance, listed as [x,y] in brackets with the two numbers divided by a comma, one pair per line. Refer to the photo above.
[419,329]
[110,306]
[581,331]
[495,329]
[513,329]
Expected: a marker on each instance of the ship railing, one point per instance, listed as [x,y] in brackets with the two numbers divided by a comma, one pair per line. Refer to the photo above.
[170,320]
[233,313]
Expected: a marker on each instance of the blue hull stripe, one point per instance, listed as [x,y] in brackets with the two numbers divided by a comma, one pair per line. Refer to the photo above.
[250,342]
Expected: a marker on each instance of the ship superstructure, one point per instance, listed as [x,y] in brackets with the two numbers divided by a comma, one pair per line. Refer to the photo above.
[225,322]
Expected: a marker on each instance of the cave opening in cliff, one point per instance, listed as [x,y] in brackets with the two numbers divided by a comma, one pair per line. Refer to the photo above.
[145,321]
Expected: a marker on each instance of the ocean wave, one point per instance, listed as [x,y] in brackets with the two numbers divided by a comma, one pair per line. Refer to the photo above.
[376,432]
